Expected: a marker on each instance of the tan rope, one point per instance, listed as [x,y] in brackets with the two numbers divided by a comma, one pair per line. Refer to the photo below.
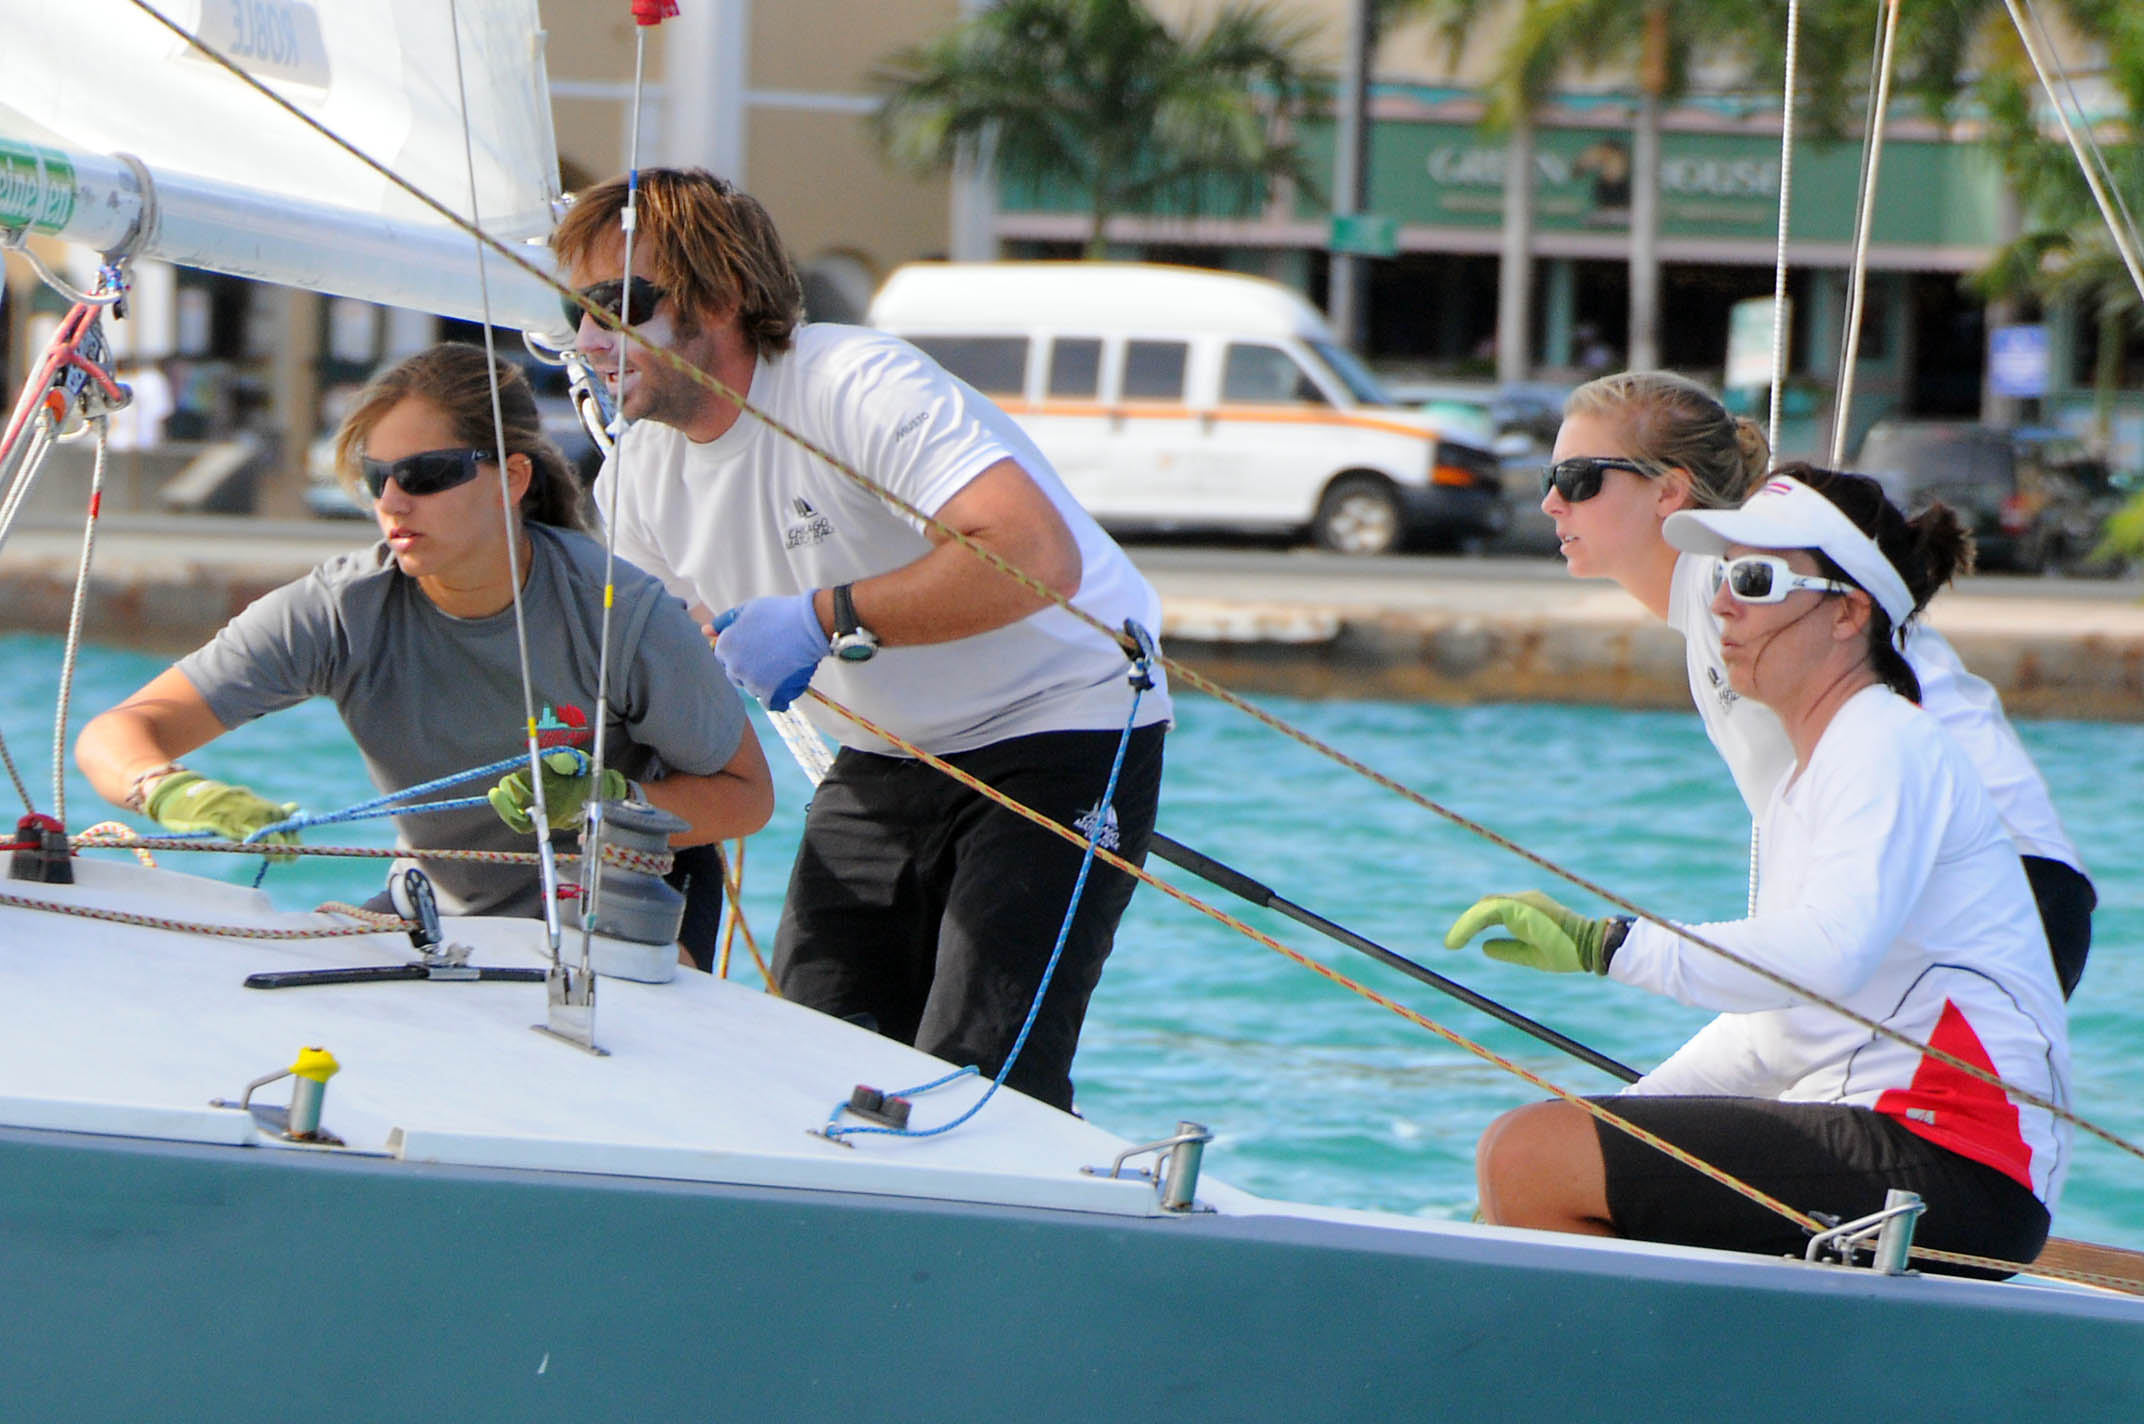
[1176,669]
[1456,1039]
[110,835]
[1451,1036]
[115,834]
[733,881]
[159,922]
[378,919]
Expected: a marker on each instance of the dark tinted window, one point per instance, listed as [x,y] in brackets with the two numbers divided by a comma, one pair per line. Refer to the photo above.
[1154,370]
[1264,375]
[994,365]
[1076,367]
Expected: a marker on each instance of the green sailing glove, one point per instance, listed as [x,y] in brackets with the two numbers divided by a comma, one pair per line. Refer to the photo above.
[567,787]
[187,801]
[1545,935]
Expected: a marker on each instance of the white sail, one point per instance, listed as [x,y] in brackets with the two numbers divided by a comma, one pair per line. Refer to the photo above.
[237,184]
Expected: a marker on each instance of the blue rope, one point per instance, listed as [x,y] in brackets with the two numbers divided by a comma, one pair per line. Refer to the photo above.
[377,807]
[1142,680]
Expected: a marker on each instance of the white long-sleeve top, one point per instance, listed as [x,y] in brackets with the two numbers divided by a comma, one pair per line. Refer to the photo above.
[1887,884]
[1758,753]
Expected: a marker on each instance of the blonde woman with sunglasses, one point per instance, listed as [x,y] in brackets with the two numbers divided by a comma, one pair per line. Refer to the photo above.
[1639,447]
[415,640]
[1885,883]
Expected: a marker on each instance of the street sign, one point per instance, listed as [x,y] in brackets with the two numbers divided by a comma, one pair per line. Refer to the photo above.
[2017,361]
[1365,234]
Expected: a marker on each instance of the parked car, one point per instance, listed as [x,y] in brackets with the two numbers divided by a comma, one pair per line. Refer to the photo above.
[2034,497]
[1520,421]
[1173,398]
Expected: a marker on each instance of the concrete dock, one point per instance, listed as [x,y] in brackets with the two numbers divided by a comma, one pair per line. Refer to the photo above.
[1462,629]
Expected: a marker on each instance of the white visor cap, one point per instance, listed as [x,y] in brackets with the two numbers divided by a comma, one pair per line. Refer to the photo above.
[1787,514]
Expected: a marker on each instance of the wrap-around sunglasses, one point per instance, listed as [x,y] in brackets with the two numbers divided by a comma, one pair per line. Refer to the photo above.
[1766,578]
[426,473]
[1578,479]
[637,299]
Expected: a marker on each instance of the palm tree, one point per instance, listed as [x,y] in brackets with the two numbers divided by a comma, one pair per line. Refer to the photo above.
[1100,97]
[1512,102]
[1657,39]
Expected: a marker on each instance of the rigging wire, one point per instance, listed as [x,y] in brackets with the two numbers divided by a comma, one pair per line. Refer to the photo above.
[2122,229]
[1175,668]
[628,224]
[1789,84]
[547,866]
[1864,220]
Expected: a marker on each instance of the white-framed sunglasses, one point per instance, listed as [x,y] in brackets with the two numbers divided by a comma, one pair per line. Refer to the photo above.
[1766,578]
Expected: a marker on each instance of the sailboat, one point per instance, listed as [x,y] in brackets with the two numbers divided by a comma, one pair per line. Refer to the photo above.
[258,1164]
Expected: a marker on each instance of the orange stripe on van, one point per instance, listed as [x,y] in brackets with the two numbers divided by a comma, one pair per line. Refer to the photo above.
[1255,414]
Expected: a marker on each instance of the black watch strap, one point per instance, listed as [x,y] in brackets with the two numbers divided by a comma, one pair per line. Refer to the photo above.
[845,621]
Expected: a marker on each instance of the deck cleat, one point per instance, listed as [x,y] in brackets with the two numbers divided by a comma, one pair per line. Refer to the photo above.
[300,1121]
[43,856]
[1175,1174]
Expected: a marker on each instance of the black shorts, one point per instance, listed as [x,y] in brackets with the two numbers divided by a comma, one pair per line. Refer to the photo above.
[2066,900]
[1825,1158]
[697,871]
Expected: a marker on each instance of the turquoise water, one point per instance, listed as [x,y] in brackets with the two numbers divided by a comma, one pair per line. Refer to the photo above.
[1316,1094]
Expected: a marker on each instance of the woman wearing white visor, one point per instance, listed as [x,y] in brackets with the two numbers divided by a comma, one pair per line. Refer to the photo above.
[1885,883]
[1638,447]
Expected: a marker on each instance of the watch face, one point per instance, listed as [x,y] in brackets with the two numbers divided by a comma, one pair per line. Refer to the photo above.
[854,649]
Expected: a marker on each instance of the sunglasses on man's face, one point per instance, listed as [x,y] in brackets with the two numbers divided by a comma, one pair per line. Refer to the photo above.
[637,299]
[426,473]
[1579,478]
[1766,578]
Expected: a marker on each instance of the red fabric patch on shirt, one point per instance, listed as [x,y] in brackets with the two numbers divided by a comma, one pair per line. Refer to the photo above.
[1952,1109]
[563,726]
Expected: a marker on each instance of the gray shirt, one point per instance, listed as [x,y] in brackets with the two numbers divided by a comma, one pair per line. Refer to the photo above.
[425,694]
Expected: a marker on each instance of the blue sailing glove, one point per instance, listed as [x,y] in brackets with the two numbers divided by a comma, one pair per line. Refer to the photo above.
[771,646]
[1545,935]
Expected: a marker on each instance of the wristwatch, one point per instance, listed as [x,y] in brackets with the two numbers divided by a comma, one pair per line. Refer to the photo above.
[853,643]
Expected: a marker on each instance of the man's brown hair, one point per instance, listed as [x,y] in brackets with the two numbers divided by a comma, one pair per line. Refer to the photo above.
[712,248]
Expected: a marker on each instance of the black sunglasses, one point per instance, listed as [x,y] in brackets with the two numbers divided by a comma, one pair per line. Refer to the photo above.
[426,473]
[638,298]
[1578,479]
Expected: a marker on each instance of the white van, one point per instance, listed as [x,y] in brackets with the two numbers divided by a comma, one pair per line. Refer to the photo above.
[1169,397]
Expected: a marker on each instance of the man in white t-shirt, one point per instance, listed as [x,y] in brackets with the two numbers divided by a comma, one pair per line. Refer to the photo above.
[915,906]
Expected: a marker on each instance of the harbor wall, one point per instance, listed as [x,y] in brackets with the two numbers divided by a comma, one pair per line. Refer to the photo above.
[2073,656]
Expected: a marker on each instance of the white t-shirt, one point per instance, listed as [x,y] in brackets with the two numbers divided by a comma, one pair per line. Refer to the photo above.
[1887,885]
[1758,751]
[752,513]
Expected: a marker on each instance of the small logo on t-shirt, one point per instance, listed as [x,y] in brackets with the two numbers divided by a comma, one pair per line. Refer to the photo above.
[901,431]
[1725,695]
[809,527]
[1099,824]
[563,726]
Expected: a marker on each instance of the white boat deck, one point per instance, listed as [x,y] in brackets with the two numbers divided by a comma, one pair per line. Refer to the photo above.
[128,1030]
[132,1031]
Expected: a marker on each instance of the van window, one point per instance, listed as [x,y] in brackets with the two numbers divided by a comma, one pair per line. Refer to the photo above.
[1076,367]
[1265,375]
[1154,370]
[994,365]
